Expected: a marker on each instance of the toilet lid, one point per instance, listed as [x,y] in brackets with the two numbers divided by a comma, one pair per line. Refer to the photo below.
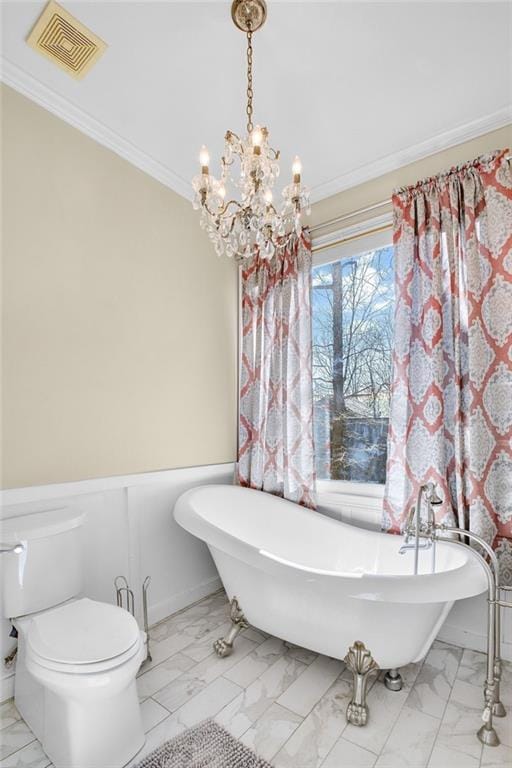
[82,632]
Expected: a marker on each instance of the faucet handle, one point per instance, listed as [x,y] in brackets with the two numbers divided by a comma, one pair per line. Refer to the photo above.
[434,497]
[409,523]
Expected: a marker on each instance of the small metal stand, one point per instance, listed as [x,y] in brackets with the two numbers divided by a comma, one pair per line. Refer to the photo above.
[145,587]
[126,599]
[362,664]
[124,595]
[224,645]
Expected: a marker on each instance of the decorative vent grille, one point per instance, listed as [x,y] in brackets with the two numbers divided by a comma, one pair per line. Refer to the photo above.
[65,41]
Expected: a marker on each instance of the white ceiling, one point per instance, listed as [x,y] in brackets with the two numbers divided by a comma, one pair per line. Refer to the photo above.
[356,89]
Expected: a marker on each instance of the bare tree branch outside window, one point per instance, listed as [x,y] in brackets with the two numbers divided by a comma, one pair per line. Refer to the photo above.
[353,305]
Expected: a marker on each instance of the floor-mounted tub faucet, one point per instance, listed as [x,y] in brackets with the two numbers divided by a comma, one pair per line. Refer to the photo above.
[429,532]
[415,525]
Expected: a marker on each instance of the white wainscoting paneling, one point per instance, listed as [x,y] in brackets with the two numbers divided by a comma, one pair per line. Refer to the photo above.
[129,530]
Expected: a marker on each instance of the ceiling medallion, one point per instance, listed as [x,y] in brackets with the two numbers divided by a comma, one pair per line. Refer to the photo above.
[241,227]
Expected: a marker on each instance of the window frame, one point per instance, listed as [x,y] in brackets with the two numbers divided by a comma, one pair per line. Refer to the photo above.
[370,234]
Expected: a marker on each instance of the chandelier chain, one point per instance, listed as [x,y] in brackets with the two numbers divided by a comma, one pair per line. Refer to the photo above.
[250,92]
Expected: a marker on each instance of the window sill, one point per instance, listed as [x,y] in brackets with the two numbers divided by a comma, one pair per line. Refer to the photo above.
[343,489]
[358,504]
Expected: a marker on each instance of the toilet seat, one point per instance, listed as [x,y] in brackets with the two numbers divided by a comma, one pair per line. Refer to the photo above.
[87,669]
[83,637]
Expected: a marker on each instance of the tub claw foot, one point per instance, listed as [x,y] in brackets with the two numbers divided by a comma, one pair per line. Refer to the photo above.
[224,645]
[361,663]
[357,714]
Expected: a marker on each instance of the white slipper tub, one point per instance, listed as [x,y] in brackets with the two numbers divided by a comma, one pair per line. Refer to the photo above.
[322,584]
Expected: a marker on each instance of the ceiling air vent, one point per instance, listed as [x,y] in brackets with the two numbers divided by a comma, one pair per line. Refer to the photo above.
[65,41]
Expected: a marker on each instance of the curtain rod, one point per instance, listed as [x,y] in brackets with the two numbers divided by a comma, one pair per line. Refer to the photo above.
[350,215]
[341,240]
[358,212]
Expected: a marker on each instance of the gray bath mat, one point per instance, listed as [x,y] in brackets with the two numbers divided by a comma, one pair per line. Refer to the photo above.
[207,745]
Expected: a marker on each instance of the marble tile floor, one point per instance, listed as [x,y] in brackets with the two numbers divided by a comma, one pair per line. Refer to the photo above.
[288,703]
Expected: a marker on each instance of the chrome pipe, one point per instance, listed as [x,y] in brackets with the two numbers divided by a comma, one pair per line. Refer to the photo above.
[16,548]
[417,532]
[496,567]
[487,733]
[432,532]
[498,709]
[433,500]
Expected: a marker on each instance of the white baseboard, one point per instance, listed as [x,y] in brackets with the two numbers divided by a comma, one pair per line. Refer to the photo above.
[7,687]
[455,635]
[175,603]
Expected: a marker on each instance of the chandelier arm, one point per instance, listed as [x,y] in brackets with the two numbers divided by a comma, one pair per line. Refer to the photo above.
[232,135]
[231,202]
[223,210]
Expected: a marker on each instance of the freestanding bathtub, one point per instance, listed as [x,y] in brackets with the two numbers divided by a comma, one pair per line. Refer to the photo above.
[323,584]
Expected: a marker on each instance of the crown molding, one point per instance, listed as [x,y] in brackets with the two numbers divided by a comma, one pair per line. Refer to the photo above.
[16,77]
[392,162]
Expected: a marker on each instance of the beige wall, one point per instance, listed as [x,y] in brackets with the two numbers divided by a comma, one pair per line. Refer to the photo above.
[119,328]
[119,345]
[381,188]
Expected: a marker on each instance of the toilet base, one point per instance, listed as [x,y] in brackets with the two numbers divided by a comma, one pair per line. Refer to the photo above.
[82,721]
[109,733]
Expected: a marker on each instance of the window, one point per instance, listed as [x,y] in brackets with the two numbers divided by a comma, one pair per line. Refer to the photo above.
[353,307]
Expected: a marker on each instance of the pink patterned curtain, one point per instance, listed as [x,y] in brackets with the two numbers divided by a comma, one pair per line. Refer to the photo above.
[276,394]
[451,413]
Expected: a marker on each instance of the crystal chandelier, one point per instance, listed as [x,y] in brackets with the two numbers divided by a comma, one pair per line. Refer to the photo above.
[239,228]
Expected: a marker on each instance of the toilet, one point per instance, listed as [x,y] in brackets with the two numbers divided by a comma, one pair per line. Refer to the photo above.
[77,658]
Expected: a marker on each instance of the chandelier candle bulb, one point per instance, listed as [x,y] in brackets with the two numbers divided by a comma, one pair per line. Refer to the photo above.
[257,139]
[204,159]
[296,169]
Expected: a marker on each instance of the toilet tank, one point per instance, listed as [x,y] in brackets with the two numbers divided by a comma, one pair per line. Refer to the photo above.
[48,570]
